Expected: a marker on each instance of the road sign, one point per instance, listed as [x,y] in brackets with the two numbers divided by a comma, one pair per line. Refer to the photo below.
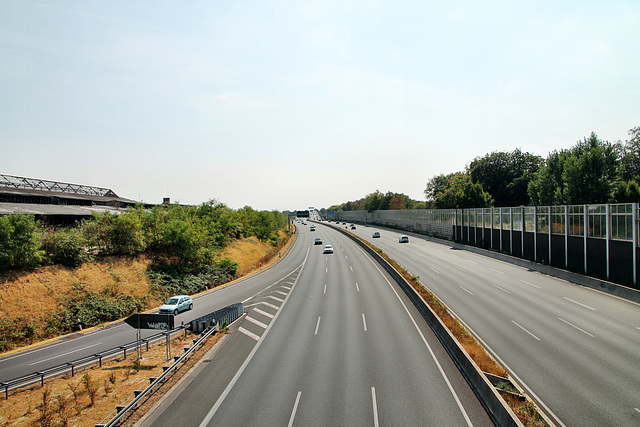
[150,321]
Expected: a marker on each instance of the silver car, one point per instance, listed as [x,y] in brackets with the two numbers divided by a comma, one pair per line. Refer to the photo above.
[177,304]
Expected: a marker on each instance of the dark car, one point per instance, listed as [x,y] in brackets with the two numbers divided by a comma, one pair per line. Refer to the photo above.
[318,241]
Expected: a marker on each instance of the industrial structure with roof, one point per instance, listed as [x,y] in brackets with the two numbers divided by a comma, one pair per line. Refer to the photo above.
[55,202]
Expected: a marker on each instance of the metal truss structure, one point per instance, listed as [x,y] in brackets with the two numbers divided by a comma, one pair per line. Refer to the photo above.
[11,181]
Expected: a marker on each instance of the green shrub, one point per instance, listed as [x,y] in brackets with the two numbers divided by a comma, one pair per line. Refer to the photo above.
[20,245]
[65,246]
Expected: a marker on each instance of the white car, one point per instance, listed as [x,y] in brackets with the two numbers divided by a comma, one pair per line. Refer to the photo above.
[176,304]
[376,235]
[328,249]
[403,239]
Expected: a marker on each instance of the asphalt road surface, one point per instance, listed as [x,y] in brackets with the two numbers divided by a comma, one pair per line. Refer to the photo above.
[576,350]
[333,343]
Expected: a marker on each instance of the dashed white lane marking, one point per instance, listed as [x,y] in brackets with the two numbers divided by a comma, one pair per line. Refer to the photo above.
[295,409]
[256,322]
[375,407]
[249,333]
[325,289]
[461,269]
[580,329]
[434,270]
[498,287]
[358,289]
[364,322]
[497,271]
[275,298]
[317,326]
[466,290]
[521,327]
[351,268]
[580,304]
[530,284]
[270,305]
[264,313]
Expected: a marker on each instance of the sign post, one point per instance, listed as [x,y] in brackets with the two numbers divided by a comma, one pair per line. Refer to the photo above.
[151,321]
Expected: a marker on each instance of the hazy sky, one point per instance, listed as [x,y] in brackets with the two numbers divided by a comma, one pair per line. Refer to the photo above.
[289,104]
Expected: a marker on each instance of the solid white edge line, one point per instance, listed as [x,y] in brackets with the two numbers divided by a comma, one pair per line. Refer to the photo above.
[295,409]
[235,378]
[375,407]
[424,340]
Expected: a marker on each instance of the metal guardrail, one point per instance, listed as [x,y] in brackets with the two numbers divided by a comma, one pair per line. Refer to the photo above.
[115,416]
[225,315]
[211,322]
[71,366]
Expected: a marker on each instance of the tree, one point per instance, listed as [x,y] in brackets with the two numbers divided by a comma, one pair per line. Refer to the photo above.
[461,192]
[547,186]
[630,157]
[590,171]
[626,192]
[585,173]
[505,175]
[20,245]
[436,185]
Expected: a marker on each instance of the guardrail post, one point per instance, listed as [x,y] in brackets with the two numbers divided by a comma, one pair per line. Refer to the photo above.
[72,368]
[99,356]
[6,390]
[124,349]
[41,378]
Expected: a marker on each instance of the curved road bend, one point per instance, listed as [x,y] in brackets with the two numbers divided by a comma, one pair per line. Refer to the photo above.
[85,344]
[338,346]
[577,350]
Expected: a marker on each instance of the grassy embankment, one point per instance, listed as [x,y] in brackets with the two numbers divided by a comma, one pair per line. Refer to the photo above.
[67,400]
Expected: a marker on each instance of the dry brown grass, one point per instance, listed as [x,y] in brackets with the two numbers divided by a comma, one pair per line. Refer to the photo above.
[252,255]
[70,399]
[38,292]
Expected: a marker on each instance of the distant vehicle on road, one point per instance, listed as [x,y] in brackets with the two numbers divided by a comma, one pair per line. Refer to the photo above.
[177,304]
[318,241]
[312,228]
[375,235]
[328,249]
[353,227]
[404,239]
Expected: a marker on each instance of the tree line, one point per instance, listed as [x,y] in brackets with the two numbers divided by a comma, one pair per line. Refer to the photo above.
[592,171]
[185,239]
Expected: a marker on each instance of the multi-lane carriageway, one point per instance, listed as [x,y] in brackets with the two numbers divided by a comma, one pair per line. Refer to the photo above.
[328,340]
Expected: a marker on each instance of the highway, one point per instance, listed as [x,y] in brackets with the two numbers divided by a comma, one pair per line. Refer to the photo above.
[576,350]
[333,343]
